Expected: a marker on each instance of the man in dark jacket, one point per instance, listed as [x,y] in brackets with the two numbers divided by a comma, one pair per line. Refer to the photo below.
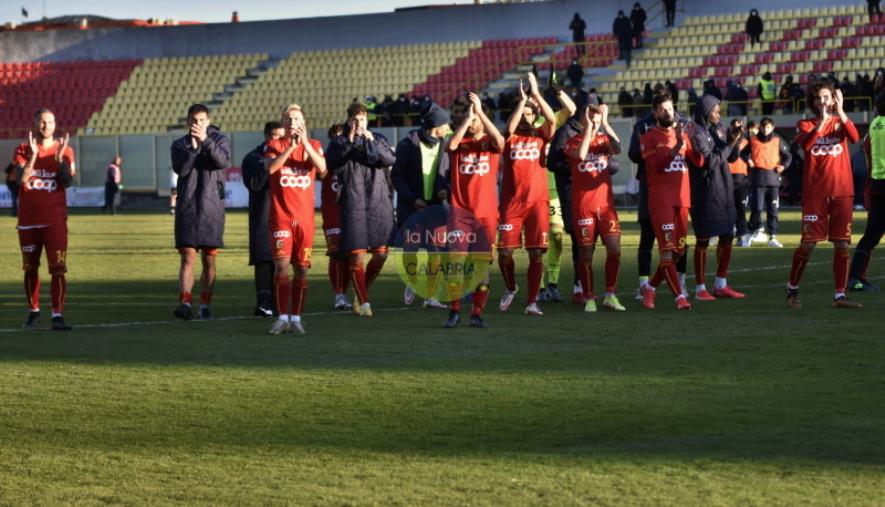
[360,159]
[625,102]
[575,74]
[712,197]
[199,159]
[256,178]
[754,27]
[577,27]
[638,17]
[646,232]
[420,159]
[623,31]
[767,155]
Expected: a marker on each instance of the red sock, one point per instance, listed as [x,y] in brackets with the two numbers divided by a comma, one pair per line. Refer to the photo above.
[185,298]
[59,289]
[667,272]
[334,275]
[343,270]
[205,298]
[281,288]
[32,289]
[480,297]
[358,276]
[800,260]
[508,272]
[455,305]
[700,264]
[536,272]
[841,261]
[723,259]
[299,295]
[612,266]
[373,269]
[585,275]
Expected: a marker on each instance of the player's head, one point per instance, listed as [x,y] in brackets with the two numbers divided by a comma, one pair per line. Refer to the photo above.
[736,125]
[461,109]
[273,130]
[821,96]
[880,104]
[752,128]
[44,124]
[662,109]
[766,126]
[357,117]
[293,117]
[530,114]
[198,114]
[118,160]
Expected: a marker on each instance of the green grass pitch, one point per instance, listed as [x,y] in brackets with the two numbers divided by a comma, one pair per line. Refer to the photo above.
[734,403]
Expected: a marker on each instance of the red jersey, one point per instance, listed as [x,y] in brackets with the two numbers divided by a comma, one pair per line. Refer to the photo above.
[42,201]
[667,176]
[827,159]
[291,188]
[591,179]
[474,177]
[329,207]
[524,177]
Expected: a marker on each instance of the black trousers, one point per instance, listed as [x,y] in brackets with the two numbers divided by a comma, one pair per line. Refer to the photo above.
[741,203]
[110,197]
[871,237]
[671,16]
[764,198]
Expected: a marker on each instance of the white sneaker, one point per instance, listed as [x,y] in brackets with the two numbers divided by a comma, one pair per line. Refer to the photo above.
[507,299]
[365,310]
[774,243]
[408,296]
[279,326]
[533,310]
[296,327]
[434,303]
[759,237]
[341,302]
[745,241]
[638,296]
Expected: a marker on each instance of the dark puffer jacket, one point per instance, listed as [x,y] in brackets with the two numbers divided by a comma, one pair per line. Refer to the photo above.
[366,199]
[408,178]
[256,179]
[199,212]
[712,190]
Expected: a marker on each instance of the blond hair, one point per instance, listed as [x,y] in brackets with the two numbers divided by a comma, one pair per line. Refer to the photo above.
[292,107]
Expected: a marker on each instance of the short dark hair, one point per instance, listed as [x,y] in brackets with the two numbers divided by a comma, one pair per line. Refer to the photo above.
[660,97]
[765,121]
[752,124]
[197,108]
[270,126]
[335,130]
[356,108]
[40,112]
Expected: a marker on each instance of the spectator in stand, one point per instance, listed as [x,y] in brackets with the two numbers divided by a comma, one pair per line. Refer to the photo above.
[623,31]
[873,8]
[638,18]
[625,102]
[785,95]
[674,93]
[692,99]
[647,95]
[577,27]
[112,185]
[710,88]
[638,110]
[878,83]
[737,98]
[767,93]
[670,9]
[12,185]
[754,27]
[575,74]
[848,91]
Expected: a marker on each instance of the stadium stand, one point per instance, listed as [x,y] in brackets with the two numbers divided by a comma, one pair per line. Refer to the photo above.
[796,41]
[324,82]
[74,90]
[158,92]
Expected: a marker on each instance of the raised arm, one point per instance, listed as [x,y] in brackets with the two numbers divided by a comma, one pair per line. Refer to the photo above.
[488,125]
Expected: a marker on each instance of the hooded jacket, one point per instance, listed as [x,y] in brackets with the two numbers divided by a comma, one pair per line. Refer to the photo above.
[712,191]
[408,179]
[366,199]
[256,179]
[199,211]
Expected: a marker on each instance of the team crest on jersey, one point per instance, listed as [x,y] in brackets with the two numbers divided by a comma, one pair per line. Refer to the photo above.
[279,244]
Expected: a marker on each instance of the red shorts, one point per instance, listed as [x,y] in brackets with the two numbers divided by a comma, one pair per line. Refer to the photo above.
[292,240]
[588,223]
[54,238]
[333,237]
[466,233]
[534,216]
[671,228]
[827,218]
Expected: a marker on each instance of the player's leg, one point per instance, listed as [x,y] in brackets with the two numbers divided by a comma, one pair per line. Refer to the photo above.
[841,214]
[643,253]
[56,243]
[537,230]
[481,292]
[723,260]
[375,265]
[702,244]
[671,226]
[302,248]
[510,238]
[282,289]
[772,205]
[31,242]
[207,280]
[508,274]
[263,273]
[757,204]
[356,263]
[188,257]
[612,244]
[863,253]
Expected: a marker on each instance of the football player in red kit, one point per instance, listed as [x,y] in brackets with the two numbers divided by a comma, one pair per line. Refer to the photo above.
[294,163]
[827,189]
[665,151]
[45,167]
[593,203]
[474,150]
[524,199]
